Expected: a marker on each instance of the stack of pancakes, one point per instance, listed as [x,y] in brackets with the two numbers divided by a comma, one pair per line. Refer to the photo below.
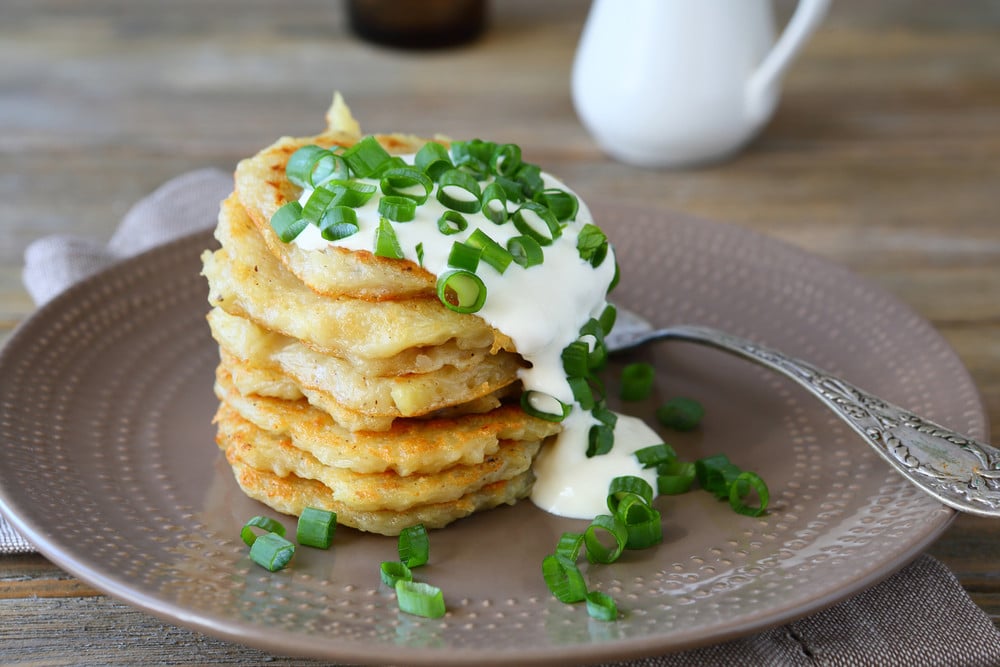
[343,381]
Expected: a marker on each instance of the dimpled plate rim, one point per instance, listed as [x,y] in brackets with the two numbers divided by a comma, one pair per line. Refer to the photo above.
[707,583]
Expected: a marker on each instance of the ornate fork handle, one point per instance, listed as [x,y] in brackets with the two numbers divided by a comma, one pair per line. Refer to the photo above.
[957,470]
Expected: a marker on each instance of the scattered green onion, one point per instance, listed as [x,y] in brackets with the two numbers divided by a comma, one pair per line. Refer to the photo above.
[420,253]
[511,188]
[597,551]
[583,393]
[543,406]
[397,208]
[272,551]
[593,331]
[386,242]
[637,381]
[319,200]
[338,222]
[316,528]
[459,191]
[740,489]
[506,159]
[391,571]
[628,485]
[420,599]
[601,437]
[575,359]
[592,245]
[530,178]
[464,256]
[563,205]
[350,193]
[493,253]
[680,414]
[570,545]
[408,182]
[601,606]
[414,546]
[534,220]
[433,159]
[563,578]
[452,222]
[287,221]
[525,251]
[642,522]
[607,319]
[311,165]
[461,291]
[366,157]
[267,524]
[655,455]
[495,203]
[675,478]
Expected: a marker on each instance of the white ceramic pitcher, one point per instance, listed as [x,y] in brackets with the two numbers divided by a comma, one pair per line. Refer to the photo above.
[670,83]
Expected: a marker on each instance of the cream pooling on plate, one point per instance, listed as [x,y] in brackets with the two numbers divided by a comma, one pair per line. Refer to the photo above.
[541,308]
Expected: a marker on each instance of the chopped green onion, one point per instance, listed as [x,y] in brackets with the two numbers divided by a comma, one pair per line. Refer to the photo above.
[267,524]
[338,222]
[642,522]
[628,485]
[464,256]
[366,157]
[420,599]
[593,332]
[601,437]
[740,489]
[420,253]
[607,319]
[316,528]
[655,455]
[311,165]
[563,205]
[512,189]
[592,245]
[452,222]
[319,200]
[570,545]
[391,571]
[543,406]
[719,479]
[680,414]
[459,191]
[433,160]
[495,203]
[615,278]
[530,178]
[493,253]
[597,551]
[536,221]
[287,221]
[350,193]
[575,359]
[563,578]
[601,606]
[386,242]
[525,251]
[397,208]
[506,159]
[706,465]
[407,182]
[414,546]
[461,291]
[394,162]
[674,478]
[272,551]
[473,156]
[637,381]
[583,393]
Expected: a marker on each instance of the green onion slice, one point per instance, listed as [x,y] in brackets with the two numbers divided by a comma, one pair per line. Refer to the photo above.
[719,480]
[493,253]
[530,178]
[464,256]
[433,160]
[607,319]
[267,524]
[525,251]
[583,393]
[420,599]
[575,359]
[680,414]
[655,455]
[452,222]
[628,485]
[338,222]
[637,381]
[461,291]
[506,159]
[592,245]
[386,241]
[613,528]
[459,191]
[287,221]
[414,546]
[563,578]
[408,182]
[391,571]
[272,551]
[495,203]
[316,528]
[564,205]
[704,466]
[601,606]
[366,157]
[312,165]
[543,406]
[420,253]
[397,208]
[674,478]
[642,522]
[350,193]
[740,488]
[512,189]
[536,221]
[319,200]
[570,545]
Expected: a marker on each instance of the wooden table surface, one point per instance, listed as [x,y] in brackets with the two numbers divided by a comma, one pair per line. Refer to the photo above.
[884,155]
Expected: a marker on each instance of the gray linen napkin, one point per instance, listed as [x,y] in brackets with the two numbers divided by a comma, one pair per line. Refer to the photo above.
[919,616]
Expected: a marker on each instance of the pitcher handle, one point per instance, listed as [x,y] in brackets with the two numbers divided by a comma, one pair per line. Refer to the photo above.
[806,18]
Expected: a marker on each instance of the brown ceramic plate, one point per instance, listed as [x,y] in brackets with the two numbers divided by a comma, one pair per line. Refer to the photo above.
[108,465]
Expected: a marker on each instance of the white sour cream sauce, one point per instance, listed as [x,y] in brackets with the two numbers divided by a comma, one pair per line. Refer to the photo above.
[542,309]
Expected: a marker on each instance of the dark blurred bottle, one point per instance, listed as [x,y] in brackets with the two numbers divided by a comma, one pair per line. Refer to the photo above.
[417,24]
